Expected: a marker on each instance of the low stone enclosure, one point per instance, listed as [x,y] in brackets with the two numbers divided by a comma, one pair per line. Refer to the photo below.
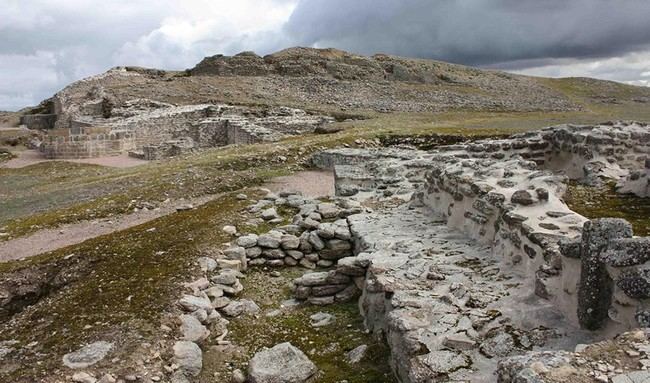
[469,263]
[151,130]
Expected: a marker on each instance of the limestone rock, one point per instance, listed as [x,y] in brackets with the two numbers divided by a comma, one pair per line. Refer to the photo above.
[193,303]
[247,241]
[87,355]
[207,264]
[189,357]
[270,240]
[282,363]
[321,319]
[289,242]
[270,214]
[241,307]
[83,377]
[229,229]
[357,354]
[192,329]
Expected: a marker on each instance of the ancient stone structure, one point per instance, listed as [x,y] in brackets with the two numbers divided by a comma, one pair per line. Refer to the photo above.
[38,121]
[474,249]
[86,121]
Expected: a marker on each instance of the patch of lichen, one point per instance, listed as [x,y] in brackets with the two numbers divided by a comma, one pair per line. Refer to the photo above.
[325,346]
[125,283]
[600,202]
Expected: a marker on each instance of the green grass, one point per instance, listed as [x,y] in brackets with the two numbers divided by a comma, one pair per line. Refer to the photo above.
[118,287]
[325,346]
[599,202]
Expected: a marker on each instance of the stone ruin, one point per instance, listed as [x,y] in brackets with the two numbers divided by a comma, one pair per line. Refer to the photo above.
[99,125]
[465,260]
[471,264]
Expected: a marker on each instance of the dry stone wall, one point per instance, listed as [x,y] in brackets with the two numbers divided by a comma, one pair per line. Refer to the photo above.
[471,260]
[507,194]
[165,129]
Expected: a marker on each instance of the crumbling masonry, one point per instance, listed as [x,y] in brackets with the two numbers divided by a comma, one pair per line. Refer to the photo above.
[482,253]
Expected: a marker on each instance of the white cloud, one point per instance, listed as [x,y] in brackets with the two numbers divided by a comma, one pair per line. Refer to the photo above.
[23,78]
[47,44]
[629,68]
[203,27]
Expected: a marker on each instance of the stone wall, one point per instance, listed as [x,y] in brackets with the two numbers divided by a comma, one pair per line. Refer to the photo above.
[154,122]
[613,150]
[89,146]
[507,194]
[165,149]
[38,121]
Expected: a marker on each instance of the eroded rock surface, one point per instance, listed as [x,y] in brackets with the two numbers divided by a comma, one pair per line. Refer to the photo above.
[87,355]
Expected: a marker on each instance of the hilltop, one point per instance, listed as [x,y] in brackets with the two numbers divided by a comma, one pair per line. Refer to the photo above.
[334,80]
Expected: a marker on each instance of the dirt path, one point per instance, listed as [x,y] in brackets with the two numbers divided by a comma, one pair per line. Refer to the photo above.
[31,157]
[310,183]
[70,234]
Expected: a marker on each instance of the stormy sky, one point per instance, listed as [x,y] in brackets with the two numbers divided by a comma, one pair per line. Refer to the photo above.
[46,44]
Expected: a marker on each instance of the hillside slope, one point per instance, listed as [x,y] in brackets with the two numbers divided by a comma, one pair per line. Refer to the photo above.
[328,79]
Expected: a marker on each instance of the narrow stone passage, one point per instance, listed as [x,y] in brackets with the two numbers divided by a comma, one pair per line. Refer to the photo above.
[448,308]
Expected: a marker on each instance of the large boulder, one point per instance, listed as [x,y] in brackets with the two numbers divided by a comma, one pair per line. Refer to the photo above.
[282,363]
[188,357]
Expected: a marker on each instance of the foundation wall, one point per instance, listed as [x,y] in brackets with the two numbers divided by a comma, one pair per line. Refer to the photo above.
[38,121]
[89,146]
[507,194]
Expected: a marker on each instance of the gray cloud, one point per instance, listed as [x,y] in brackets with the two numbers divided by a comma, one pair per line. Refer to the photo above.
[475,32]
[47,44]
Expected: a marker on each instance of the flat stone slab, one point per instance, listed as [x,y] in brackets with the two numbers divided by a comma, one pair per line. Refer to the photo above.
[87,355]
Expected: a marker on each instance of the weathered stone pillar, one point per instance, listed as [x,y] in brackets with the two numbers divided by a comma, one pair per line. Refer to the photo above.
[595,289]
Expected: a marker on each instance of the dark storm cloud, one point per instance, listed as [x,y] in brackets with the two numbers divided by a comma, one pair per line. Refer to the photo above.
[475,32]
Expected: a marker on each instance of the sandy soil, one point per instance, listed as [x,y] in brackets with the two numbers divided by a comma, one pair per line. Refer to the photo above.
[310,183]
[30,157]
